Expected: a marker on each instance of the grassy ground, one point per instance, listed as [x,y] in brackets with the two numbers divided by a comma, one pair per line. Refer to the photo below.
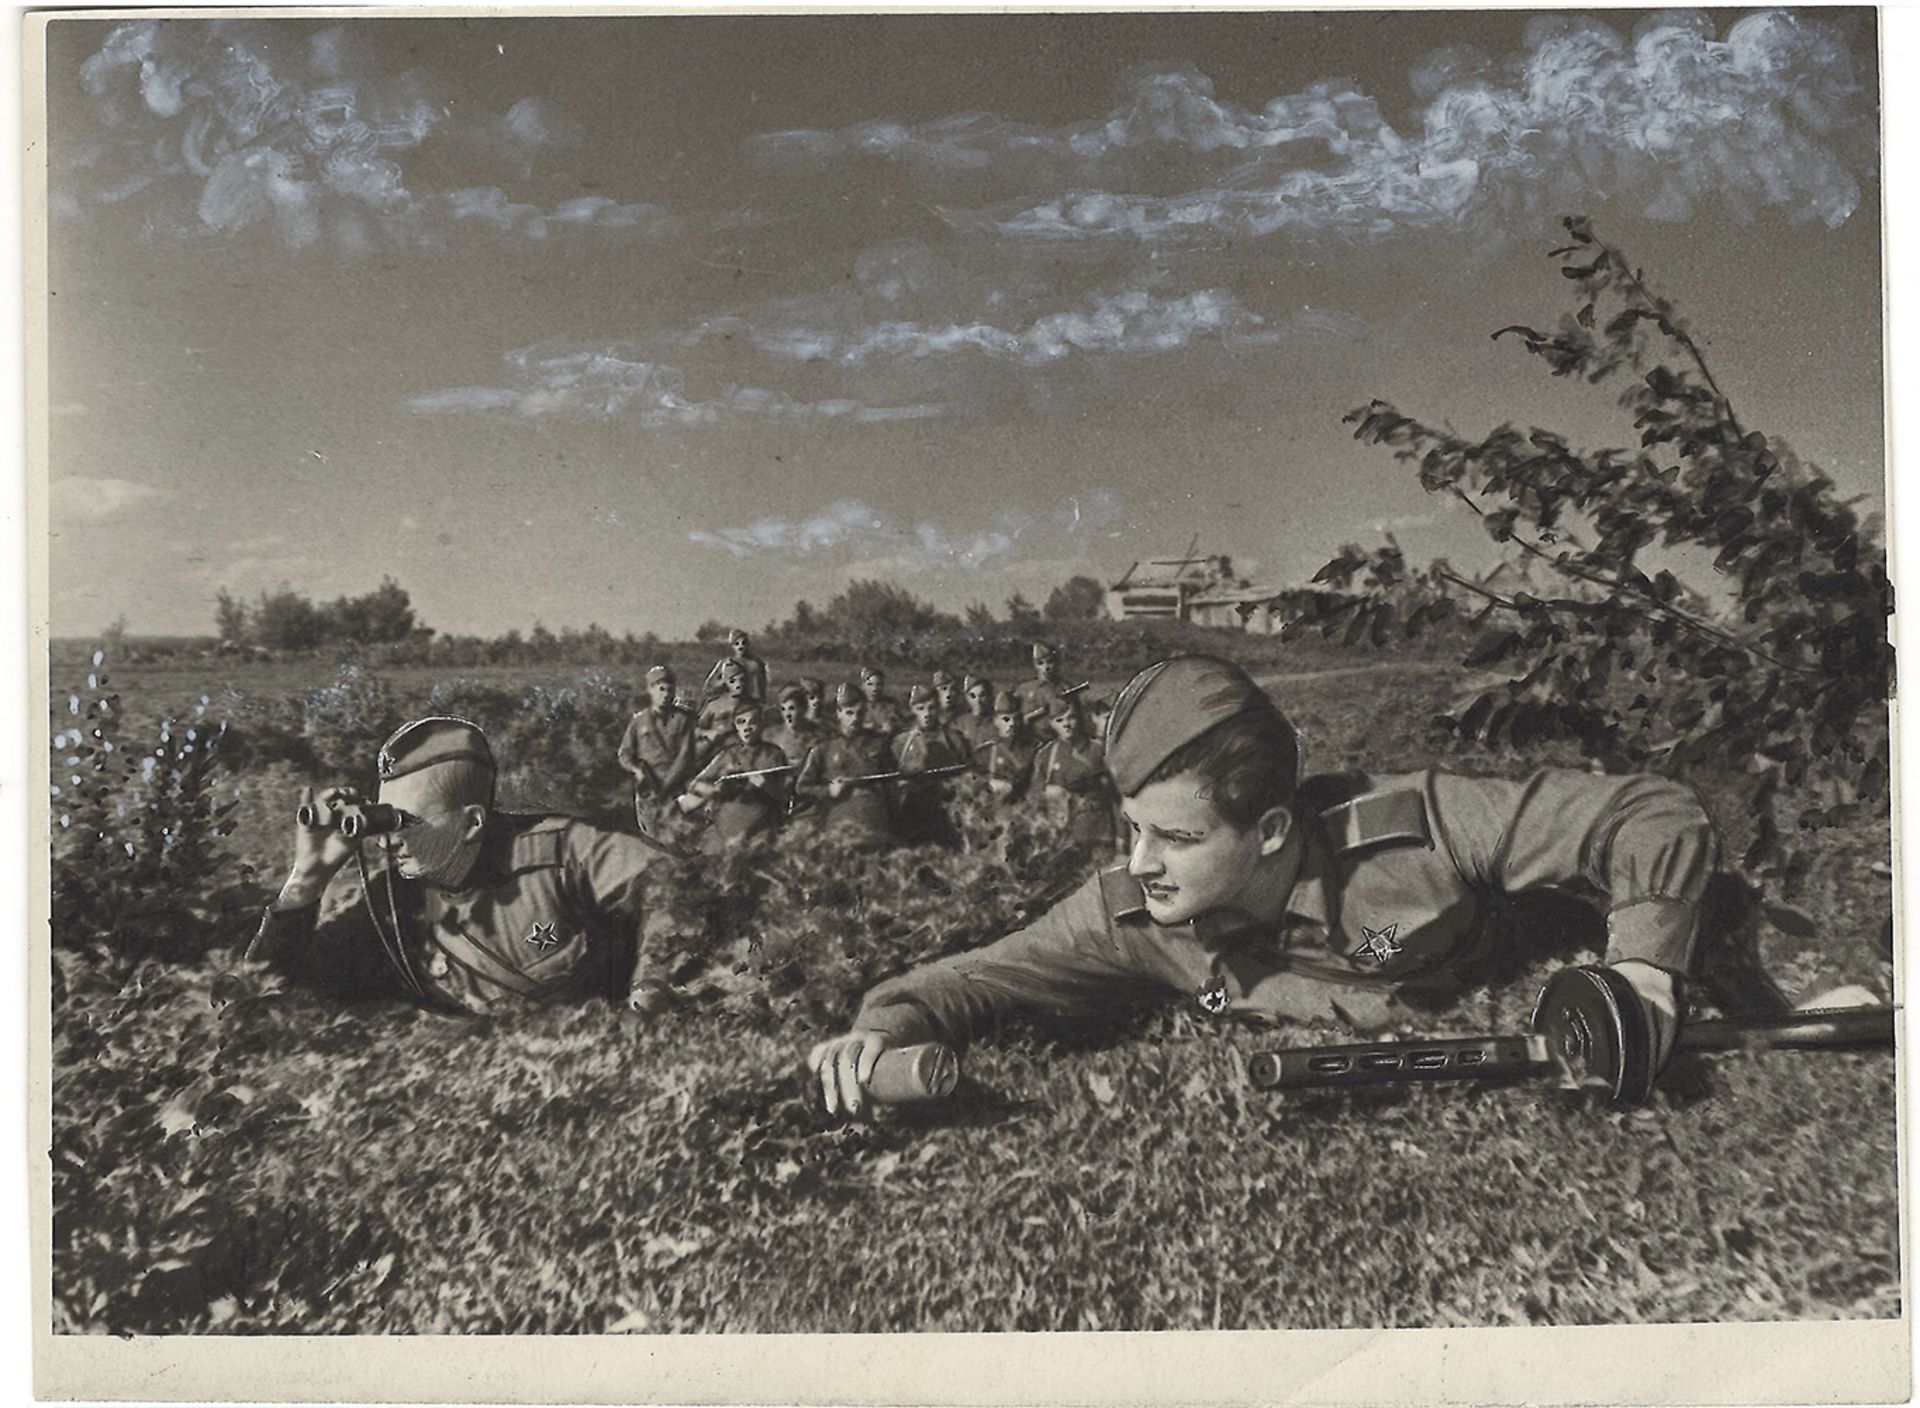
[234,1156]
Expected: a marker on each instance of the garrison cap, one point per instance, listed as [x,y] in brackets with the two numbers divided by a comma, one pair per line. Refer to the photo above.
[973,682]
[1005,703]
[1063,707]
[1168,705]
[656,673]
[1044,650]
[745,706]
[848,695]
[735,636]
[425,742]
[870,672]
[797,693]
[730,669]
[810,686]
[942,678]
[921,694]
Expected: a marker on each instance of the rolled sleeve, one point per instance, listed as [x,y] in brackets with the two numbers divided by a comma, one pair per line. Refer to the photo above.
[1644,843]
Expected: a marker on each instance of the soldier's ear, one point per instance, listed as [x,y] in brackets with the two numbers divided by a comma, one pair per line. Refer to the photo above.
[473,819]
[1276,824]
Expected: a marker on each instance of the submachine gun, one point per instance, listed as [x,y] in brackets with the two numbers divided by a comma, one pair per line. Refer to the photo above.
[1588,1031]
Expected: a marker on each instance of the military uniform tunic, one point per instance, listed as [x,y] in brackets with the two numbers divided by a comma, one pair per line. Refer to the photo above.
[1079,767]
[715,725]
[745,807]
[1037,697]
[922,807]
[862,814]
[662,742]
[552,912]
[976,731]
[1402,882]
[884,717]
[795,741]
[1007,760]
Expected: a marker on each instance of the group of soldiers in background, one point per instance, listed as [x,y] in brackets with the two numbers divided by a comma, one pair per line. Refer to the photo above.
[873,770]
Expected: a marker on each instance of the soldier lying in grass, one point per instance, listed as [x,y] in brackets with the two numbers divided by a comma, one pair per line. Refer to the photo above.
[488,910]
[1261,896]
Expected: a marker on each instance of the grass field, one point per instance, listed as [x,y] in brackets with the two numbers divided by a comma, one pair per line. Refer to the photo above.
[237,1157]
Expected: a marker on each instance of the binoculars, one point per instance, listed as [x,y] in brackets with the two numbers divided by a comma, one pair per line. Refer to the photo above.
[354,819]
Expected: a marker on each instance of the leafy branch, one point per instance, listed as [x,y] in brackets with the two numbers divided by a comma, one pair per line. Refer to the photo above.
[1786,674]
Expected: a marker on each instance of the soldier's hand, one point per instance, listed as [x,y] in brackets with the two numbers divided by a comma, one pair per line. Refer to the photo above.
[319,850]
[843,1066]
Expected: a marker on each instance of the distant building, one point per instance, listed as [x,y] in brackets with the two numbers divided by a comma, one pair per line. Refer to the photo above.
[1204,591]
[1164,587]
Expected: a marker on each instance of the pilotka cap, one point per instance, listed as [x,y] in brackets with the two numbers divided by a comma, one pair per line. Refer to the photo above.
[1043,651]
[658,673]
[941,678]
[793,692]
[848,694]
[1005,703]
[920,694]
[425,742]
[871,672]
[1169,705]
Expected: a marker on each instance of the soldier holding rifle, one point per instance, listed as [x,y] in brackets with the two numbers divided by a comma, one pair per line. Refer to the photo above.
[1254,894]
[1038,695]
[658,749]
[975,726]
[745,784]
[846,776]
[1070,771]
[929,746]
[474,911]
[1006,759]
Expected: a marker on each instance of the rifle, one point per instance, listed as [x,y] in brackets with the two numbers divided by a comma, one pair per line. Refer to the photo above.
[898,776]
[1070,690]
[1584,1031]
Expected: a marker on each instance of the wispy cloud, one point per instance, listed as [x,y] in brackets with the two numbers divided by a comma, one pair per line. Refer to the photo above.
[566,380]
[216,126]
[84,497]
[1771,116]
[877,543]
[1135,322]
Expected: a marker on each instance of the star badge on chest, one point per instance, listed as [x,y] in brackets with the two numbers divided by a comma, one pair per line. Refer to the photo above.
[1379,945]
[543,937]
[1212,997]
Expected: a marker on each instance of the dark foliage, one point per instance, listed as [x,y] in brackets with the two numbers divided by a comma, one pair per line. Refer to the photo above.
[1791,683]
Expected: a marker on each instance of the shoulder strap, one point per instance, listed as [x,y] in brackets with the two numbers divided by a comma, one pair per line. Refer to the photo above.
[539,846]
[1376,817]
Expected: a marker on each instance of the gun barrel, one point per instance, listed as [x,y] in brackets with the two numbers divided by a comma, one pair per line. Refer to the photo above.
[1398,1062]
[1817,1028]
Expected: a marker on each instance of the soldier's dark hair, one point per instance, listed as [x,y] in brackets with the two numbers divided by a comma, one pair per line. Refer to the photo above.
[1247,764]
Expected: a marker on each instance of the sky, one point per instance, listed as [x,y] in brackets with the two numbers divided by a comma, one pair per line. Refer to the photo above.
[650,321]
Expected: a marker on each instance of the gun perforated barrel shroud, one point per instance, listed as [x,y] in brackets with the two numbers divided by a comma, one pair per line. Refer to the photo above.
[1397,1062]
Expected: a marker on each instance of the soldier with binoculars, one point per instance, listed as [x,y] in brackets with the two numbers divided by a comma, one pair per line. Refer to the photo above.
[475,910]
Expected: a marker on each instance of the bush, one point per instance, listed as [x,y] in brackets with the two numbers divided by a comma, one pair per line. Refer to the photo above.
[138,865]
